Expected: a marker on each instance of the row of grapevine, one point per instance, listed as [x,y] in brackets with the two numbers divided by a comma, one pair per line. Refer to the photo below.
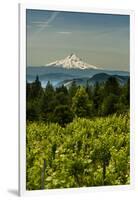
[87,152]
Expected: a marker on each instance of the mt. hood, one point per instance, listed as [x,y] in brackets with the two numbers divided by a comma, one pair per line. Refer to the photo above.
[71,62]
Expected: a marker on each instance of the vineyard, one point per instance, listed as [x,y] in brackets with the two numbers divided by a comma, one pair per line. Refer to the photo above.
[84,153]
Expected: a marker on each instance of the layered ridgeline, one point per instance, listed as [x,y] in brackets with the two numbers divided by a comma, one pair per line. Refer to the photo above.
[72,68]
[97,78]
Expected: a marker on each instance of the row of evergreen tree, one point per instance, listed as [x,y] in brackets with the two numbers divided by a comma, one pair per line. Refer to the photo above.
[61,105]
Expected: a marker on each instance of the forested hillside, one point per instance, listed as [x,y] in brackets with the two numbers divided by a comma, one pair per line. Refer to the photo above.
[61,105]
[77,137]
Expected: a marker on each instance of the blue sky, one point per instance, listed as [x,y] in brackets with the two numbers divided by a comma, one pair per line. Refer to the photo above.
[99,39]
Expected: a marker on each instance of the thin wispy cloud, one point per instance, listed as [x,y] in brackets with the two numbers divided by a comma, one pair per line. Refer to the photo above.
[64,32]
[42,25]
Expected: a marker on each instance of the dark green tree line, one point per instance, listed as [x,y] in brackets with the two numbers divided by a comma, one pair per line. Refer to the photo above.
[61,105]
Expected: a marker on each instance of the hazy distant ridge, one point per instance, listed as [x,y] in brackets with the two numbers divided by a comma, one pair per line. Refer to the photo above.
[98,78]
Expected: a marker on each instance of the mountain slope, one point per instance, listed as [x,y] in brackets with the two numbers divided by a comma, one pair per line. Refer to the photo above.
[71,62]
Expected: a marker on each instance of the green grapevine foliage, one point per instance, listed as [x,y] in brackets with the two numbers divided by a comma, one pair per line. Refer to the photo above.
[87,152]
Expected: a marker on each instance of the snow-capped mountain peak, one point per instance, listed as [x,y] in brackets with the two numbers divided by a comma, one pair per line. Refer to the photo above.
[71,61]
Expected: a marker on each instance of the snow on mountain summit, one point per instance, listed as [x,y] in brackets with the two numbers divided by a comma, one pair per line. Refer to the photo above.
[71,61]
